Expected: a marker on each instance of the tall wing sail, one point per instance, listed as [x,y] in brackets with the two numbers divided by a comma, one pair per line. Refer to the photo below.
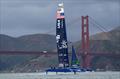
[61,38]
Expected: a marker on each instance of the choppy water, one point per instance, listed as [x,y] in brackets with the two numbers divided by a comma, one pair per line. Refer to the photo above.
[83,75]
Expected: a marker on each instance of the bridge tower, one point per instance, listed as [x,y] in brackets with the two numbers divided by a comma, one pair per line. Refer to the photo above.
[85,42]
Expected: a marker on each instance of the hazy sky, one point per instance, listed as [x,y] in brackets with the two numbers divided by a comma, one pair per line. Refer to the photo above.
[20,17]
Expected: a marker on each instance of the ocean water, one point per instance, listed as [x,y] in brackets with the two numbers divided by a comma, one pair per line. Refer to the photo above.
[82,75]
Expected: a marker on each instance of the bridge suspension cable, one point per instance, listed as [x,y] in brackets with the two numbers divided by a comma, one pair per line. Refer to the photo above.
[98,25]
[69,24]
[103,29]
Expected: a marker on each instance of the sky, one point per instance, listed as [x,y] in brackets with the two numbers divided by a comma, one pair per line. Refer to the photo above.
[22,17]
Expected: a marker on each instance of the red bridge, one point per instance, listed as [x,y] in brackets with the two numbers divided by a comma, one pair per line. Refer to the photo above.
[107,54]
[85,53]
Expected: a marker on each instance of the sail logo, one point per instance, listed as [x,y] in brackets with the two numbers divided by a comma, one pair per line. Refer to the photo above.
[57,38]
[58,24]
[64,44]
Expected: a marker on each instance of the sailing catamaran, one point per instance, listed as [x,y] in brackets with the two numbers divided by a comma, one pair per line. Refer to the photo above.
[61,38]
[62,47]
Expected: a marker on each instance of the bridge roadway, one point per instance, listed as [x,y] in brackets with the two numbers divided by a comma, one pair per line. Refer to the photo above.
[109,54]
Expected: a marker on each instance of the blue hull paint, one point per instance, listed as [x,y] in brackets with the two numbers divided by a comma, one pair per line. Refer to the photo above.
[69,69]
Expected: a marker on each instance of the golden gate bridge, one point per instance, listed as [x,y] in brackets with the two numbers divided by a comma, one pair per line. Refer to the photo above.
[85,53]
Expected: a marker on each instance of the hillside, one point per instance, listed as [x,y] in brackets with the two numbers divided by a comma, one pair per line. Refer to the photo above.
[110,42]
[34,42]
[10,43]
[111,35]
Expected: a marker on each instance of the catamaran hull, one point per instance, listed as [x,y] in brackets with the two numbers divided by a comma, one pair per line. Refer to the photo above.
[69,70]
